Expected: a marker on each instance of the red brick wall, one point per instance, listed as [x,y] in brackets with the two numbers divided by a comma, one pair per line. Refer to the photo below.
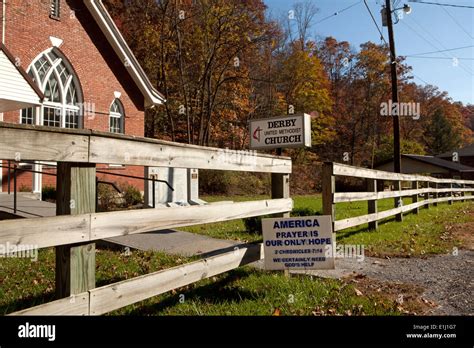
[98,68]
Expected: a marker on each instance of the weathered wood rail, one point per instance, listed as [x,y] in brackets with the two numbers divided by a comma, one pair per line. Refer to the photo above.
[117,295]
[37,143]
[431,193]
[77,225]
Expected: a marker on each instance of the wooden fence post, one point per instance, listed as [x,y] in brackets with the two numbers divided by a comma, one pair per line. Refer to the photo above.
[463,186]
[435,195]
[76,194]
[329,188]
[281,188]
[451,194]
[397,185]
[414,198]
[372,204]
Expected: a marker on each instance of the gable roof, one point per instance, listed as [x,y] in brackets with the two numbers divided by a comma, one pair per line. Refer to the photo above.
[463,152]
[118,43]
[441,163]
[17,89]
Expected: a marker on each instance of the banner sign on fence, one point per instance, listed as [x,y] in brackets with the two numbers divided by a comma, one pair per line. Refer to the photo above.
[298,243]
[281,132]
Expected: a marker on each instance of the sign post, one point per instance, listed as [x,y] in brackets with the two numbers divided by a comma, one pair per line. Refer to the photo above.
[288,131]
[298,243]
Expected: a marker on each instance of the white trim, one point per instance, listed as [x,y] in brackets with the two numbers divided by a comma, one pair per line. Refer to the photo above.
[120,115]
[38,57]
[62,87]
[37,179]
[117,95]
[56,42]
[118,43]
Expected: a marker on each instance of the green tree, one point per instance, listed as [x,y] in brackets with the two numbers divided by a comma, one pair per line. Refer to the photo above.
[441,136]
[384,151]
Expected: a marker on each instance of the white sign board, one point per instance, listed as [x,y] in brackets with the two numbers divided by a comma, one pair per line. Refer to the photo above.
[281,132]
[298,243]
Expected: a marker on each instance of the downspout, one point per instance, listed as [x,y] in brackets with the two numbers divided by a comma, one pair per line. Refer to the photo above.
[4,20]
[4,25]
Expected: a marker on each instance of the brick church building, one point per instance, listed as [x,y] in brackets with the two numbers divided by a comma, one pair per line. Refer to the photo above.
[64,63]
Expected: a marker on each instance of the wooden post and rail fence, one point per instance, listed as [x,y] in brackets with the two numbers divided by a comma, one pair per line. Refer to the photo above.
[432,190]
[77,226]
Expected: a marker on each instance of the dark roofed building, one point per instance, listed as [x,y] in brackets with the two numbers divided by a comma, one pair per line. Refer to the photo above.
[434,166]
[465,154]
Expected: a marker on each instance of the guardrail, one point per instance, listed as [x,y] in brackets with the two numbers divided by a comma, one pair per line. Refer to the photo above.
[428,187]
[78,225]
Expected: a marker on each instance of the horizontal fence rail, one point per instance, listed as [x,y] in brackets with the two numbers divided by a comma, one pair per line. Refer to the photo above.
[117,295]
[38,143]
[68,229]
[431,194]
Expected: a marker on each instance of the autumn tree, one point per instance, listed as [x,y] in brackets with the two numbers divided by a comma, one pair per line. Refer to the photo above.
[220,63]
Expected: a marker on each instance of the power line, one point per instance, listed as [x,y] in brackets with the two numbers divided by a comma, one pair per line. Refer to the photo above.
[457,23]
[432,45]
[438,4]
[338,12]
[450,58]
[419,78]
[446,50]
[465,68]
[375,22]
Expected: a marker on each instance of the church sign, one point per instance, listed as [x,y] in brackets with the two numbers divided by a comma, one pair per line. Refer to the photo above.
[280,132]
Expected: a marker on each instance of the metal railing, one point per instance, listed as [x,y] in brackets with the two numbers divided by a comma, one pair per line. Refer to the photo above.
[15,168]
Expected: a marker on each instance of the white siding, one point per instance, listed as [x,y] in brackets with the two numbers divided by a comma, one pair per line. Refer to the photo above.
[15,91]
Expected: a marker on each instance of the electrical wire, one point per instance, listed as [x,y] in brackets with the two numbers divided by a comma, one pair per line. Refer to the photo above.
[465,68]
[338,12]
[451,58]
[438,4]
[375,22]
[439,51]
[431,44]
[419,78]
[457,23]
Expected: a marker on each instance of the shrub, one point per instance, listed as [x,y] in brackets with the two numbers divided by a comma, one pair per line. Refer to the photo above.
[304,212]
[24,188]
[131,196]
[48,193]
[214,182]
[108,198]
[254,224]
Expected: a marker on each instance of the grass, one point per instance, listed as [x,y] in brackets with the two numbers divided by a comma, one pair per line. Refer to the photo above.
[417,235]
[247,291]
[25,283]
[244,291]
[233,230]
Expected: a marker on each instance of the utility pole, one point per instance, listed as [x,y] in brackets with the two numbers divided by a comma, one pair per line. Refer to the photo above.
[397,158]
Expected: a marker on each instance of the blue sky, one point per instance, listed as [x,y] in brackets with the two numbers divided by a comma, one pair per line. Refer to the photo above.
[428,28]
